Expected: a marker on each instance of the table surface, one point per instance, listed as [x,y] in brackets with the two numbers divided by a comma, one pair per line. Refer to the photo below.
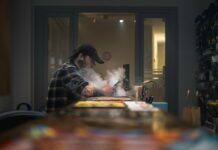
[101,128]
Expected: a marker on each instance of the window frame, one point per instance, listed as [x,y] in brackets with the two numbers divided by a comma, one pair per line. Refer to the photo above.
[40,46]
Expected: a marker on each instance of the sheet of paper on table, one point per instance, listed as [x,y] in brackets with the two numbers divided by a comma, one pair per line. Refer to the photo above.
[105,98]
[140,106]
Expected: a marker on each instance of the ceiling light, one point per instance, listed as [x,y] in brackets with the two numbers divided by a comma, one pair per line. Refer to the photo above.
[121,20]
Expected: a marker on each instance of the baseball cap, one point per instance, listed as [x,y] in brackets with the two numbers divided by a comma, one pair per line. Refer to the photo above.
[89,50]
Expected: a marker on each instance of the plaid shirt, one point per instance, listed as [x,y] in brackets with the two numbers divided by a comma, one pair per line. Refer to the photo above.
[65,87]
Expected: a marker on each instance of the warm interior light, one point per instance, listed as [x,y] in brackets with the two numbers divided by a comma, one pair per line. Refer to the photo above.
[94,20]
[121,20]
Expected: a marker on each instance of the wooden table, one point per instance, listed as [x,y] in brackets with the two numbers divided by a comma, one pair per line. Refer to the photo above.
[100,128]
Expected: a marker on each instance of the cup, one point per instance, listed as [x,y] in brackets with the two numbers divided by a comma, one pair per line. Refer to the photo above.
[138,92]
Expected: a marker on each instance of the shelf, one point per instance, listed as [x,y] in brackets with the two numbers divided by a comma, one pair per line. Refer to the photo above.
[207,49]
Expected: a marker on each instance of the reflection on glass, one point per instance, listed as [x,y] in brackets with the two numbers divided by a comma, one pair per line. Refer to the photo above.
[58,42]
[154,56]
[113,35]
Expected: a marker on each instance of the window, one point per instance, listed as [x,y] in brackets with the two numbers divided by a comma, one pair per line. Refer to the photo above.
[113,35]
[58,42]
[143,37]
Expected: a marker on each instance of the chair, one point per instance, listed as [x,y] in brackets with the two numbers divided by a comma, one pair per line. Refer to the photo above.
[26,105]
[11,119]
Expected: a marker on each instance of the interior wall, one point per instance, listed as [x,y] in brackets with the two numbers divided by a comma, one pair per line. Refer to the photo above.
[148,48]
[161,52]
[5,51]
[118,39]
[188,10]
[21,51]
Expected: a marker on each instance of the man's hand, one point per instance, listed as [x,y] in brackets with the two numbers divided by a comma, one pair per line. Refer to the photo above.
[88,91]
[108,90]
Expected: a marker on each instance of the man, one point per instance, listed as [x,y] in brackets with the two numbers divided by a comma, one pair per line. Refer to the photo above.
[68,86]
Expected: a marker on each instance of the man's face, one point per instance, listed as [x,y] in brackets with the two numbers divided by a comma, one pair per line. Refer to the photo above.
[89,62]
[86,62]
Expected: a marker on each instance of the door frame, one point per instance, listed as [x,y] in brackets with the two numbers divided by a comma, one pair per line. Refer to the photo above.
[171,54]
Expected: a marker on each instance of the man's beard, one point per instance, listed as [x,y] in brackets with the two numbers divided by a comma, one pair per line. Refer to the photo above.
[81,64]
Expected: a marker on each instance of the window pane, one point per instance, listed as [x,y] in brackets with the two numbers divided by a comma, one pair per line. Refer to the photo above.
[58,42]
[154,56]
[113,35]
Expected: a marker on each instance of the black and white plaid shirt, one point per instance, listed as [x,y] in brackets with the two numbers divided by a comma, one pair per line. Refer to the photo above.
[65,87]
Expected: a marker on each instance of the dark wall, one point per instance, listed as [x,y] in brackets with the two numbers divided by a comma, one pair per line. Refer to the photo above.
[5,48]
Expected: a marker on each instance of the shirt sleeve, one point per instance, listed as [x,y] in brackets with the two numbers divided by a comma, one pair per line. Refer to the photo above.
[74,81]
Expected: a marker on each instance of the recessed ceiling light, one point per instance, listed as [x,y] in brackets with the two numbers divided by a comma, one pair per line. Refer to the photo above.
[121,20]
